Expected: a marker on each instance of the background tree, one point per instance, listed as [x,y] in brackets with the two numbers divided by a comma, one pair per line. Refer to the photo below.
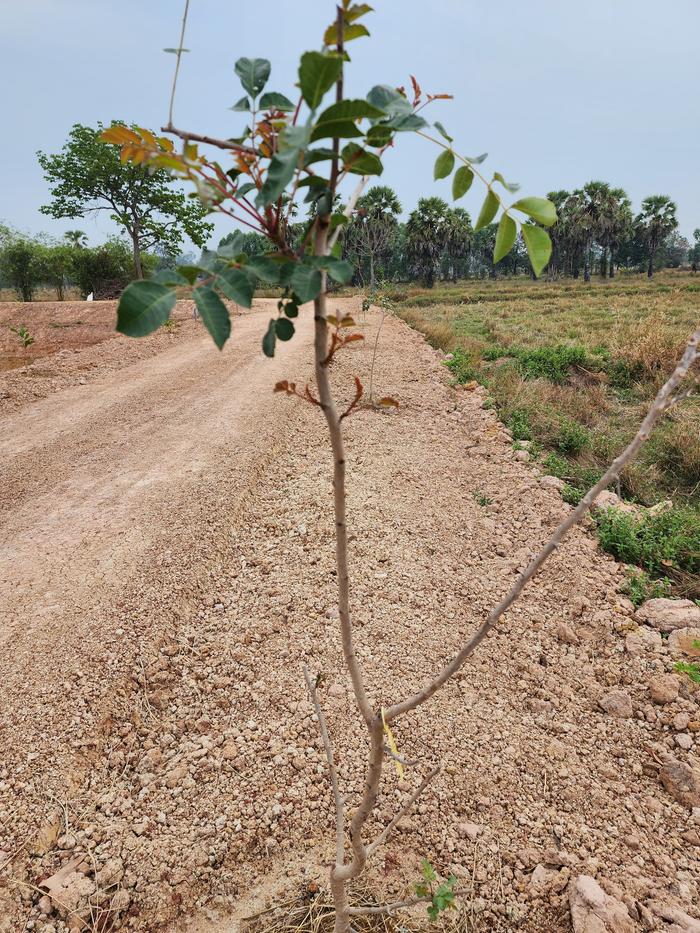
[457,243]
[87,177]
[372,230]
[76,238]
[656,220]
[694,254]
[427,232]
[19,265]
[55,265]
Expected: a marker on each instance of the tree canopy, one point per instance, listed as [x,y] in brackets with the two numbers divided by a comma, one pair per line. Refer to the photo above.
[86,177]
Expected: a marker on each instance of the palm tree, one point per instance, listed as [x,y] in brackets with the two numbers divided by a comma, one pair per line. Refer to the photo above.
[458,240]
[372,230]
[76,238]
[427,233]
[654,223]
[614,224]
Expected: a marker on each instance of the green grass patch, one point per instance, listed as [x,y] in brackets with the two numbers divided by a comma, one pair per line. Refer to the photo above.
[662,545]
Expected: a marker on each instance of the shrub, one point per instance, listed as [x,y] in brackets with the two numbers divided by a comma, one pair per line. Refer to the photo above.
[571,437]
[641,587]
[659,544]
[519,424]
[677,451]
[552,363]
[104,270]
[462,366]
[19,266]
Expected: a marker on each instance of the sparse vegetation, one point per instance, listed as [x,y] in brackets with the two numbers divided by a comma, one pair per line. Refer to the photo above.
[570,367]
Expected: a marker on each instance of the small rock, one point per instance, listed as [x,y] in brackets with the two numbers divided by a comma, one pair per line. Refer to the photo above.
[617,703]
[566,634]
[522,456]
[666,615]
[681,781]
[685,641]
[594,911]
[684,740]
[552,482]
[335,690]
[469,830]
[664,688]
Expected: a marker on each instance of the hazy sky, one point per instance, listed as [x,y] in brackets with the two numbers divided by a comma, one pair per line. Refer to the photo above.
[558,92]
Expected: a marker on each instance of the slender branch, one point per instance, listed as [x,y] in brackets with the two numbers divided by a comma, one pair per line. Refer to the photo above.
[384,835]
[664,400]
[227,144]
[349,208]
[388,909]
[328,746]
[177,63]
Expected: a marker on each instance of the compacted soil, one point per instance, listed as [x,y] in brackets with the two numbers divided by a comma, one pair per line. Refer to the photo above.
[167,566]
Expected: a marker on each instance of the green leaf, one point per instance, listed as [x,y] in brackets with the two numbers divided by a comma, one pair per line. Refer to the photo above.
[330,36]
[462,181]
[191,273]
[253,73]
[284,329]
[477,160]
[443,132]
[175,51]
[279,173]
[338,119]
[540,209]
[341,270]
[378,135]
[214,314]
[355,109]
[506,236]
[356,11]
[428,870]
[444,164]
[169,277]
[338,129]
[242,105]
[291,309]
[274,101]
[270,339]
[321,154]
[264,268]
[358,160]
[237,286]
[489,209]
[306,282]
[243,189]
[433,912]
[317,74]
[143,307]
[406,123]
[539,246]
[509,186]
[389,100]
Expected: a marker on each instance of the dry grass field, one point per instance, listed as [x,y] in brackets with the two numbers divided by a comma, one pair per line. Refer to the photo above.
[570,368]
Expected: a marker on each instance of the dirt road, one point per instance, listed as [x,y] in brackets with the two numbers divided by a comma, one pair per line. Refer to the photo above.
[165,567]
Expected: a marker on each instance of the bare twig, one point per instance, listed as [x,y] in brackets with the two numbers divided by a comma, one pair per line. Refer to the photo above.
[388,909]
[209,140]
[384,835]
[177,63]
[665,399]
[328,746]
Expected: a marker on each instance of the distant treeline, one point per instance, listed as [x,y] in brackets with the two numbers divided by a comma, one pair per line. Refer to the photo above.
[30,263]
[597,233]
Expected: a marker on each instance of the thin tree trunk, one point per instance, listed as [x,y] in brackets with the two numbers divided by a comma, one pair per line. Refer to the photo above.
[650,267]
[612,264]
[138,266]
[371,270]
[587,266]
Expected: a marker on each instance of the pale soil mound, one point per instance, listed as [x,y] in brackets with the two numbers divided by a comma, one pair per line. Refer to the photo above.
[170,569]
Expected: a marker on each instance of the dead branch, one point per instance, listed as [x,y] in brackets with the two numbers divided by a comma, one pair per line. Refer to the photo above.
[227,144]
[384,835]
[328,746]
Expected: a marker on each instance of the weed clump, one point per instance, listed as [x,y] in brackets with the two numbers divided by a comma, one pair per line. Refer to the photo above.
[664,545]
